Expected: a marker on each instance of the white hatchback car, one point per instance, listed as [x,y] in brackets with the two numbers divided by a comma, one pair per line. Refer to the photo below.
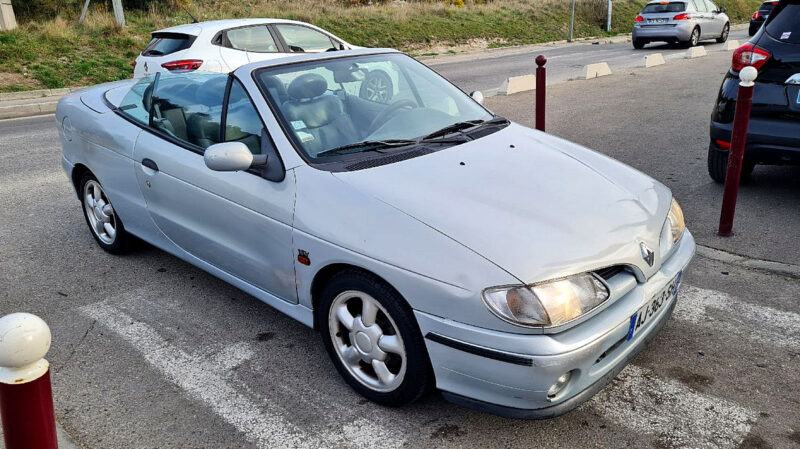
[225,45]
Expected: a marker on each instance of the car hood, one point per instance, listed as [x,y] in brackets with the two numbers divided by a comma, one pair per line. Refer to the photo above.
[536,205]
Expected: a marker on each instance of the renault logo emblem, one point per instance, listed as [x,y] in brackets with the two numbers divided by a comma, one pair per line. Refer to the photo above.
[647,254]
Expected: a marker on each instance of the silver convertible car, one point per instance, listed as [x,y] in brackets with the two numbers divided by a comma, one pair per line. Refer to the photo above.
[431,242]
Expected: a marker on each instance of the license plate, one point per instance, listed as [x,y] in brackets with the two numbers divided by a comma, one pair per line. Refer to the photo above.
[656,20]
[656,303]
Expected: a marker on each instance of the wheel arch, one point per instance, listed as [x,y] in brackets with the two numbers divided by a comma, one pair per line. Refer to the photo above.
[328,272]
[78,172]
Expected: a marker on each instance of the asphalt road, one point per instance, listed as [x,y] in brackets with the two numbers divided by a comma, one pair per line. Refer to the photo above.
[150,352]
[564,61]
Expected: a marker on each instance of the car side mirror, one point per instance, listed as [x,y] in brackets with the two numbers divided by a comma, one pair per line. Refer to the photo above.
[232,156]
[477,96]
[723,10]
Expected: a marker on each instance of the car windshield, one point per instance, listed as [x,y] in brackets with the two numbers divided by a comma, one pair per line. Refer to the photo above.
[664,7]
[367,103]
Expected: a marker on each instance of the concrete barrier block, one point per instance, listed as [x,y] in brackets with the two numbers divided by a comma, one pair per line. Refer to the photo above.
[695,52]
[517,84]
[732,45]
[596,70]
[653,60]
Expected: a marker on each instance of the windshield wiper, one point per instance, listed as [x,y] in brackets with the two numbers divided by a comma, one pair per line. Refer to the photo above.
[380,145]
[461,126]
[369,145]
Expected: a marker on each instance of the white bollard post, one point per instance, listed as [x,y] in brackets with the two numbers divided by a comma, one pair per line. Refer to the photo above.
[26,396]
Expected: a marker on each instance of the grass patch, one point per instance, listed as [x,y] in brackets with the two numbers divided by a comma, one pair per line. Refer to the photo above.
[59,53]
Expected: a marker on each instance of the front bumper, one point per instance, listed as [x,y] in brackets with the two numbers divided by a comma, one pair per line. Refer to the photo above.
[509,374]
[667,32]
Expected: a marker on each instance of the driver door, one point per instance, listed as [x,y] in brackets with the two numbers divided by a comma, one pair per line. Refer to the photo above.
[238,222]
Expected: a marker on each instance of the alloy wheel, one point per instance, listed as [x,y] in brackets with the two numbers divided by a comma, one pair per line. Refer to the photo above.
[99,212]
[367,341]
[377,89]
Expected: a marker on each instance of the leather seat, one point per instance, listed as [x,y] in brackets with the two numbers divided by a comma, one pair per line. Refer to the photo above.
[203,129]
[322,116]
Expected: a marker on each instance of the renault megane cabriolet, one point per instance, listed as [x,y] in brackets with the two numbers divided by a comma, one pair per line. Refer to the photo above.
[431,242]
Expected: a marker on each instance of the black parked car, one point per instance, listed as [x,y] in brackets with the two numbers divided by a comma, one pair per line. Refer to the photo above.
[774,133]
[761,15]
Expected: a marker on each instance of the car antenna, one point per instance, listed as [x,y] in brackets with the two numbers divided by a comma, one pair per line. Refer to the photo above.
[190,15]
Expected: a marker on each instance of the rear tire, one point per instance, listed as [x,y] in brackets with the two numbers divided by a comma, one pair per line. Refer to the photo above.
[753,30]
[725,32]
[391,371]
[694,39]
[718,166]
[104,224]
[639,44]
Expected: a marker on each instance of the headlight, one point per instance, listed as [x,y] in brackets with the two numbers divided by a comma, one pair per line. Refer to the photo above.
[675,220]
[673,228]
[549,303]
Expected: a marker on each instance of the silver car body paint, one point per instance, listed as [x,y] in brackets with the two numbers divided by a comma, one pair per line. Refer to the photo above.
[709,22]
[439,228]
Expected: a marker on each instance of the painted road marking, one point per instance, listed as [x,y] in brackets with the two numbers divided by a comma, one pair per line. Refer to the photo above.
[730,315]
[676,415]
[211,381]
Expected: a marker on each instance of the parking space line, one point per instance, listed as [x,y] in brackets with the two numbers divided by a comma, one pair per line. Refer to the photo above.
[202,380]
[731,315]
[671,412]
[208,377]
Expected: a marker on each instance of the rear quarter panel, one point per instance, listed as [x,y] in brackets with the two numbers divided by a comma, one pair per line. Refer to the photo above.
[102,141]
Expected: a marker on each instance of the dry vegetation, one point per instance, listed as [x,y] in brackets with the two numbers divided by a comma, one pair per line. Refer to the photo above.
[58,52]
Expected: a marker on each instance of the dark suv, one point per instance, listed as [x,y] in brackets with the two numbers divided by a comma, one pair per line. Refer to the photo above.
[760,16]
[774,133]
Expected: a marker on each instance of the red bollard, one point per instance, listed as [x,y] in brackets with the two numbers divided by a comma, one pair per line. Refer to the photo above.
[741,121]
[541,77]
[26,398]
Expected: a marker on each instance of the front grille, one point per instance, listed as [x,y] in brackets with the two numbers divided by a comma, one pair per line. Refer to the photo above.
[609,272]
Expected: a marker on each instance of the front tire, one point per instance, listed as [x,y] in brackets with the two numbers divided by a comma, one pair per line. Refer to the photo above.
[373,340]
[726,30]
[718,166]
[106,227]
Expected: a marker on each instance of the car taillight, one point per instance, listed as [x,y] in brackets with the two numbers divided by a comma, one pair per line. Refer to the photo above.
[185,64]
[683,16]
[749,54]
[756,15]
[639,18]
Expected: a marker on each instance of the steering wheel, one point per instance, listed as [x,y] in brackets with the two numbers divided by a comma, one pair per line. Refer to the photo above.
[390,110]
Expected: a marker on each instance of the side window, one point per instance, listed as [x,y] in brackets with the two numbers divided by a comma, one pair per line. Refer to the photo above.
[700,6]
[301,39]
[710,6]
[188,107]
[136,103]
[254,38]
[242,123]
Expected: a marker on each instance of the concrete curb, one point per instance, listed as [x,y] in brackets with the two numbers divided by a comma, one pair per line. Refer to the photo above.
[30,94]
[696,52]
[28,110]
[732,45]
[784,269]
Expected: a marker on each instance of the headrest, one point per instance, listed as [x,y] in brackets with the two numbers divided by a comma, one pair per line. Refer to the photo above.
[273,83]
[307,86]
[212,92]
